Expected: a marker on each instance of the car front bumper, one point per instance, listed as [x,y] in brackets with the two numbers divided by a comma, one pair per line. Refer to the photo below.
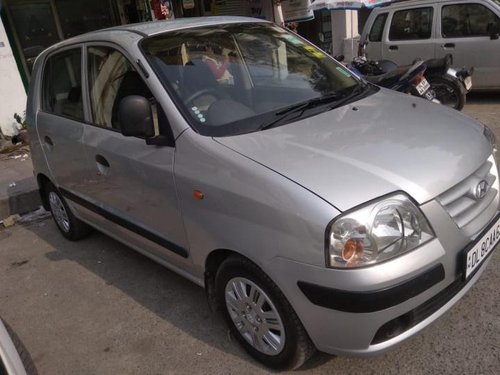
[371,310]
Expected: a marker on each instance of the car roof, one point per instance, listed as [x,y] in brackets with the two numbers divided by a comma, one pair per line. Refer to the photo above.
[413,3]
[150,28]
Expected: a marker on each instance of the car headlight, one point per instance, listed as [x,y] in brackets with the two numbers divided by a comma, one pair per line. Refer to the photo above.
[490,136]
[376,232]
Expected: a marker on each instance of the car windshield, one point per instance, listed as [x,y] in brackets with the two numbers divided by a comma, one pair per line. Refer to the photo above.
[239,78]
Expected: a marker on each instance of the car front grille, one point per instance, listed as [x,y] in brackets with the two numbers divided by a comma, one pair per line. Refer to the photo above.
[466,206]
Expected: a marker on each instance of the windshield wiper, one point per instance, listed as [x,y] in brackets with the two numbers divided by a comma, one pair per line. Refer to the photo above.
[336,97]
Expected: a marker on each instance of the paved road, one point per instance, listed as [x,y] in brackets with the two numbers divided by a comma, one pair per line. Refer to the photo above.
[97,307]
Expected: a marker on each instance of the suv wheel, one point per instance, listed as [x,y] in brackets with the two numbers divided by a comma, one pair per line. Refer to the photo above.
[260,317]
[71,227]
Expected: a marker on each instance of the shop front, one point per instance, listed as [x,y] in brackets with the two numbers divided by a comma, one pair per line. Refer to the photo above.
[33,25]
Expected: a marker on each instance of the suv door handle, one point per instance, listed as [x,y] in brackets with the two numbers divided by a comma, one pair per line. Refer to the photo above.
[393,48]
[102,165]
[448,45]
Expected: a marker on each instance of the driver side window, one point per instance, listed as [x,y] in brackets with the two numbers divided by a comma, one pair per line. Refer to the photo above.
[111,78]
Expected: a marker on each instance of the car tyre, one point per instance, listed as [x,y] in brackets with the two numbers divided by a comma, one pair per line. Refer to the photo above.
[24,355]
[68,224]
[260,317]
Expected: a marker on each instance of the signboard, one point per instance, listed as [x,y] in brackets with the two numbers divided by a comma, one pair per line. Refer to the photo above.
[296,10]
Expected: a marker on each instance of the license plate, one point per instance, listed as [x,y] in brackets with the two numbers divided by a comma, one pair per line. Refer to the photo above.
[468,83]
[482,248]
[423,86]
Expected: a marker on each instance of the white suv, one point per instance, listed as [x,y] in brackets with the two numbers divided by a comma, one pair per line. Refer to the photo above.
[468,29]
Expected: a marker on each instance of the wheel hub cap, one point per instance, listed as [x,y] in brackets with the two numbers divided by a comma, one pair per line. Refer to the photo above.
[255,316]
[59,211]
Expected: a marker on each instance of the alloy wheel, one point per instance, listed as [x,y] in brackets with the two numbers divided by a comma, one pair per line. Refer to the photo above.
[255,316]
[59,211]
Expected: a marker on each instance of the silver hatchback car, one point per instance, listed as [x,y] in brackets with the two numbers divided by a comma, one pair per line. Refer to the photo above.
[318,211]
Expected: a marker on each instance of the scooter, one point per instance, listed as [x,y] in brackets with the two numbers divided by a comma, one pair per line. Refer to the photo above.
[450,86]
[409,79]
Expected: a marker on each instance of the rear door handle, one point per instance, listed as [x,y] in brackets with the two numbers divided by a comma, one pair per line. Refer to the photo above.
[449,45]
[48,142]
[102,165]
[393,48]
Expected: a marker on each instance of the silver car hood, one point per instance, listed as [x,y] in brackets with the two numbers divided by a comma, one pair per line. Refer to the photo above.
[380,144]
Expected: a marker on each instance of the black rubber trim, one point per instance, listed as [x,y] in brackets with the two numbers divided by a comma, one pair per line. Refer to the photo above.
[126,224]
[366,302]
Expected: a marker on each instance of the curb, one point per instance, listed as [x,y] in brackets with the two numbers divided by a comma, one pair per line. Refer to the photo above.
[20,199]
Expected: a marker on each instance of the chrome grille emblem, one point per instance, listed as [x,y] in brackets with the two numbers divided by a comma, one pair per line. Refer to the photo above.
[481,189]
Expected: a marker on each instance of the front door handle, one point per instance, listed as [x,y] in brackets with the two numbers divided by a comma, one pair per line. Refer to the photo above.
[393,48]
[102,165]
[448,45]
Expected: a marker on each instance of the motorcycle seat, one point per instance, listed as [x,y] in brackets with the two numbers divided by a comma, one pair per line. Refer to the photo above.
[389,78]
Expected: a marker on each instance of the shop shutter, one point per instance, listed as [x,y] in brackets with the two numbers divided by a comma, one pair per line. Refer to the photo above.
[232,7]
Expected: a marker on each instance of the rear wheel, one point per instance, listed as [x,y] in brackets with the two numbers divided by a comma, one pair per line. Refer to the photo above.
[71,227]
[260,317]
[449,92]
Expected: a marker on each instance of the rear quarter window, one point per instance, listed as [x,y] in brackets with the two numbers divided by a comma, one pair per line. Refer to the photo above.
[411,24]
[62,84]
[377,28]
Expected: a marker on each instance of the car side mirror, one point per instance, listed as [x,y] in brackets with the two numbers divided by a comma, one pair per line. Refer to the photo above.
[136,117]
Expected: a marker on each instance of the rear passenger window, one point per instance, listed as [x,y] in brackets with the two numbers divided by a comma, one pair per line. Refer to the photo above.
[465,20]
[62,85]
[111,78]
[411,24]
[377,28]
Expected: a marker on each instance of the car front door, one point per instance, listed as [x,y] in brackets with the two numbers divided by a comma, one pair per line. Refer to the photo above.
[373,48]
[469,31]
[410,36]
[132,189]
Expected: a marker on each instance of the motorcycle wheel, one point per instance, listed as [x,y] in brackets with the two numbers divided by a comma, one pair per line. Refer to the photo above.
[450,92]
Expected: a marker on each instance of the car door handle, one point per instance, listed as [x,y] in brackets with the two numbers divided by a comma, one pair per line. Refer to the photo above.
[102,165]
[448,45]
[48,142]
[393,48]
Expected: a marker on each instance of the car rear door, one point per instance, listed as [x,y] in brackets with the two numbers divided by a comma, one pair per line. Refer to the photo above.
[410,35]
[61,118]
[469,31]
[132,189]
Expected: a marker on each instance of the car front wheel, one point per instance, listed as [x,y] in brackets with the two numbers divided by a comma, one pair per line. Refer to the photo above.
[260,317]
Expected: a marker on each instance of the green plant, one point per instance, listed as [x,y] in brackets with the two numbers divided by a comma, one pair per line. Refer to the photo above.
[21,119]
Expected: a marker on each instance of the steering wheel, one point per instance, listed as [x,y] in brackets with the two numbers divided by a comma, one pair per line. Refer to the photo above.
[201,92]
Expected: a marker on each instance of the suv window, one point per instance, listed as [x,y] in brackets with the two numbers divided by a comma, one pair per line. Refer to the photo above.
[111,78]
[465,20]
[62,84]
[377,28]
[411,24]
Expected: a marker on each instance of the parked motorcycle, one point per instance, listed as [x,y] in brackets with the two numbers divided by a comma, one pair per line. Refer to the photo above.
[409,79]
[450,85]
